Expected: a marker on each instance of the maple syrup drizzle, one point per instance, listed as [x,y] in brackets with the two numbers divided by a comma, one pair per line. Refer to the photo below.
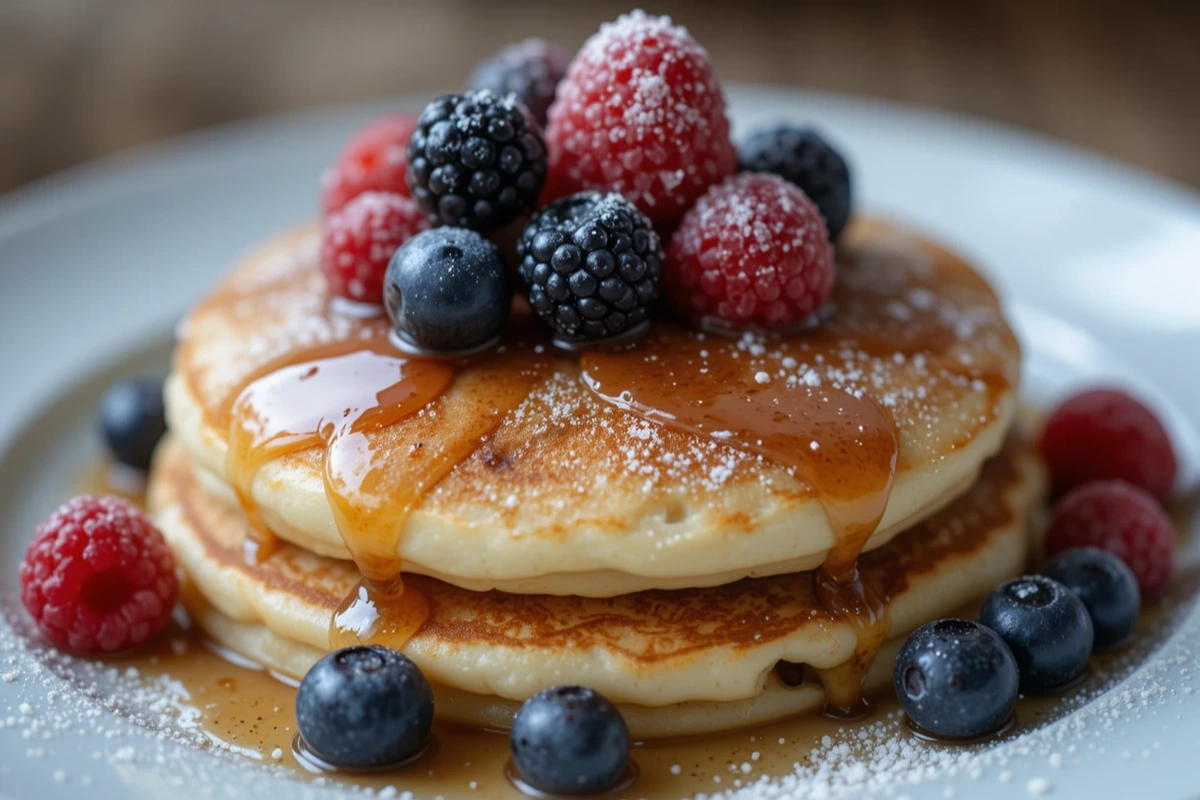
[360,401]
[844,446]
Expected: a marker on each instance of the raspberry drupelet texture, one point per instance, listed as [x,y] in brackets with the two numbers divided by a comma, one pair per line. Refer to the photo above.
[476,160]
[593,265]
[98,576]
[802,156]
[1106,434]
[358,242]
[374,160]
[1122,519]
[640,113]
[530,70]
[753,252]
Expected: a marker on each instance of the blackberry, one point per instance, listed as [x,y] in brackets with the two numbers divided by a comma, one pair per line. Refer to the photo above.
[476,160]
[801,156]
[530,70]
[593,264]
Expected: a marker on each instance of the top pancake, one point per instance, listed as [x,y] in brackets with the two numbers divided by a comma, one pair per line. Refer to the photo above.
[569,494]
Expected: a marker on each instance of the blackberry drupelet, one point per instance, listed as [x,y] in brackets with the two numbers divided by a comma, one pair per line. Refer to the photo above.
[476,160]
[593,264]
[530,69]
[802,156]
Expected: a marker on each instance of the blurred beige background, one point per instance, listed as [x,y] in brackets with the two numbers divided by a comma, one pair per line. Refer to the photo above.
[81,78]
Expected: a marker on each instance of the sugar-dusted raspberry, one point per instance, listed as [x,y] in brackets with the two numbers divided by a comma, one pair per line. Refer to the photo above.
[641,113]
[1122,519]
[1106,434]
[358,242]
[98,576]
[374,160]
[752,252]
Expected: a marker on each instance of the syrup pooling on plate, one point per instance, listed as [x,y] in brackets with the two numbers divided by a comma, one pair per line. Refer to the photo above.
[362,403]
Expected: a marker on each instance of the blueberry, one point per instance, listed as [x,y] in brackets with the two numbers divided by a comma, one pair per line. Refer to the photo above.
[956,679]
[1046,627]
[132,420]
[570,740]
[1106,586]
[447,290]
[364,708]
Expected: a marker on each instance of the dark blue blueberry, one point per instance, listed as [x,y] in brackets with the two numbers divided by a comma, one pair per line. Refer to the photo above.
[1106,586]
[447,290]
[803,157]
[570,740]
[956,679]
[1046,627]
[132,420]
[364,708]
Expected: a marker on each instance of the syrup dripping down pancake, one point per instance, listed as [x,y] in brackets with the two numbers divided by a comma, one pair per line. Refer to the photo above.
[571,494]
[714,649]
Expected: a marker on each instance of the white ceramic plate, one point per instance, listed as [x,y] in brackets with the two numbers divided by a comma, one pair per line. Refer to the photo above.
[1101,265]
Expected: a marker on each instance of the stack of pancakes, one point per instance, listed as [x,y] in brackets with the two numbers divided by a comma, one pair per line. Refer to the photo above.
[676,523]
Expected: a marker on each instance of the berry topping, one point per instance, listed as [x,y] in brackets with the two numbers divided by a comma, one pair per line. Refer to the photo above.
[640,113]
[1105,434]
[447,291]
[476,160]
[956,679]
[372,161]
[801,156]
[753,252]
[364,708]
[569,740]
[98,576]
[593,265]
[132,420]
[1122,519]
[1046,627]
[358,242]
[530,70]
[1106,586]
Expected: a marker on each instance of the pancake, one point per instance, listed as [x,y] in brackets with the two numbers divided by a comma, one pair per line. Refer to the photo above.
[534,472]
[680,661]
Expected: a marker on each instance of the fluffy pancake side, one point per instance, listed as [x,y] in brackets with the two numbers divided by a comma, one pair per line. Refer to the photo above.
[652,649]
[570,495]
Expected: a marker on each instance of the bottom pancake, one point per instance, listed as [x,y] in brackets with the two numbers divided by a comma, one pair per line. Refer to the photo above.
[680,661]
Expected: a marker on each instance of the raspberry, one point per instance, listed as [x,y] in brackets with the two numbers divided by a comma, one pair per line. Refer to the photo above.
[476,160]
[372,161]
[1106,434]
[98,577]
[1122,519]
[530,69]
[752,252]
[803,157]
[358,242]
[640,113]
[593,265]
